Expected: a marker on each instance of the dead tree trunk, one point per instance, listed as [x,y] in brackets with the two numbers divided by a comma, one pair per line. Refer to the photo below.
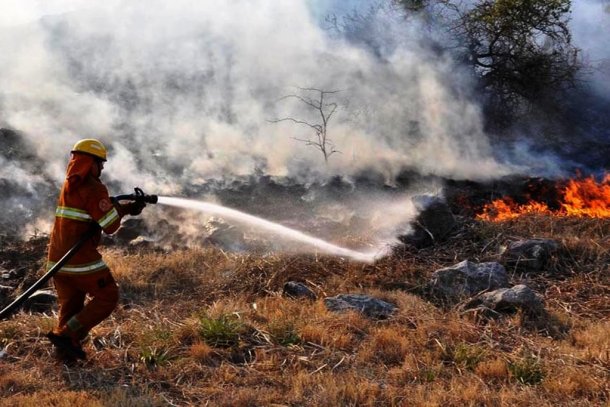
[325,110]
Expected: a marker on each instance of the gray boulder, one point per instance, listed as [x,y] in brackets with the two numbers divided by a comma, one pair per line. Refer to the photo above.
[466,279]
[530,255]
[295,289]
[40,301]
[369,306]
[507,300]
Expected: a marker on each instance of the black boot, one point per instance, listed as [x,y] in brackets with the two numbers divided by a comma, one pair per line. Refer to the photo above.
[66,346]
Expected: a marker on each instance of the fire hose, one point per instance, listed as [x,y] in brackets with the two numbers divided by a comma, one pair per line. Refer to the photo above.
[138,196]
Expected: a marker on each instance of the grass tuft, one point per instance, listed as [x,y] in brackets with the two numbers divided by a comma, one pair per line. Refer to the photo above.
[527,370]
[222,331]
[153,357]
[284,333]
[465,356]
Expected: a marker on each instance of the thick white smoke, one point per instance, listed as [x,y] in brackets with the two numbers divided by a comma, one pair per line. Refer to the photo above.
[183,92]
[188,87]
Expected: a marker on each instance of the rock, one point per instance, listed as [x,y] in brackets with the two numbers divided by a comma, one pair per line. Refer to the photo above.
[466,279]
[509,300]
[40,301]
[369,306]
[220,233]
[141,243]
[295,289]
[529,255]
[130,229]
[433,224]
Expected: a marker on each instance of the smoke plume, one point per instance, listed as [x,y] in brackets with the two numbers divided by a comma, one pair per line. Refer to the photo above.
[188,90]
[186,93]
[591,30]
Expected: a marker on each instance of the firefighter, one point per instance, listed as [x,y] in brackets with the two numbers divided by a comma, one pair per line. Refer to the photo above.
[83,200]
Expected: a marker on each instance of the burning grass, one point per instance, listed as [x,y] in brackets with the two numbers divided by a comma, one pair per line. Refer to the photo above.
[582,197]
[201,326]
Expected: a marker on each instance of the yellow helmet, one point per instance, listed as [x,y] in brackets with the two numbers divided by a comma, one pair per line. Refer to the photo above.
[92,147]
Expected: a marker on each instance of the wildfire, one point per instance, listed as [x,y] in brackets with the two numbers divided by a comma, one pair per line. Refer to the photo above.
[578,197]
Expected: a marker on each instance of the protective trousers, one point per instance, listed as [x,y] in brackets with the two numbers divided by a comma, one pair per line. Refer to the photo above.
[76,318]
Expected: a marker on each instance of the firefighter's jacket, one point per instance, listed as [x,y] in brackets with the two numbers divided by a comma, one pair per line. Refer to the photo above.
[83,200]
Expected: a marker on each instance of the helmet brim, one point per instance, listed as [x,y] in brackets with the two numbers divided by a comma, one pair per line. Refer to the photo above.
[89,154]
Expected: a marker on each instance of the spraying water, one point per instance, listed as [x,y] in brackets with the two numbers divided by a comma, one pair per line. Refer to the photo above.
[276,228]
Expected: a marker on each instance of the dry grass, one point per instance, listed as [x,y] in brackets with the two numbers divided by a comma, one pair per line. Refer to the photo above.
[158,347]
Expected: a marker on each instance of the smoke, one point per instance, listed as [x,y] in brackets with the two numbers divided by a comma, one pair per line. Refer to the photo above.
[185,92]
[591,29]
[194,85]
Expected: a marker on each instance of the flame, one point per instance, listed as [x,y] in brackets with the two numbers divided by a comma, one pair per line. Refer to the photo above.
[587,198]
[579,197]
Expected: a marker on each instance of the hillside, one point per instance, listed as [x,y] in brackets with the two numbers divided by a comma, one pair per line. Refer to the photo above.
[202,326]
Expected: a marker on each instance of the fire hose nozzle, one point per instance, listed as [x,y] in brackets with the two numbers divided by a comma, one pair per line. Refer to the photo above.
[138,196]
[153,199]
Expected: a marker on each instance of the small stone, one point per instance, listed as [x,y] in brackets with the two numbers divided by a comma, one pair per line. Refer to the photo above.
[295,289]
[369,306]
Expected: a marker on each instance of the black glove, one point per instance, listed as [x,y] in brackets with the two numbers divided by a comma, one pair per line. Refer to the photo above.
[135,208]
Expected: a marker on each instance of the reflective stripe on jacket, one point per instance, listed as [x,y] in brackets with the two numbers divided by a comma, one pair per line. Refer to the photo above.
[77,208]
[80,268]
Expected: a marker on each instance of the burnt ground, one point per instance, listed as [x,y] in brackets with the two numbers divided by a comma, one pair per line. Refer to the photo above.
[21,264]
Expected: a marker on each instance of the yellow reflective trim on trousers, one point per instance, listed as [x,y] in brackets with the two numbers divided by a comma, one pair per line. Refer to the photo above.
[109,218]
[80,268]
[72,213]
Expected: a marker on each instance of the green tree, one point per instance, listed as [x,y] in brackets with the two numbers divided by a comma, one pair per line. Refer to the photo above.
[520,49]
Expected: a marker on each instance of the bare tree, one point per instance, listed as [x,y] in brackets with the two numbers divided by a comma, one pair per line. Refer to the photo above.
[325,111]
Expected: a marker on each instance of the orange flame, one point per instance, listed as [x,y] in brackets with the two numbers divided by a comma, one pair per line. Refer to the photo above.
[587,198]
[581,197]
